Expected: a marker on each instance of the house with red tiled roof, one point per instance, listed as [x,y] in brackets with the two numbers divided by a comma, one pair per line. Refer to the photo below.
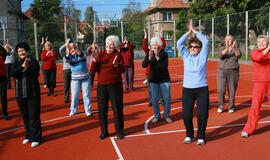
[162,14]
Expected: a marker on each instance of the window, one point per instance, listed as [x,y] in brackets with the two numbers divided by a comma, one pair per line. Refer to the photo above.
[3,20]
[167,16]
[187,1]
[167,37]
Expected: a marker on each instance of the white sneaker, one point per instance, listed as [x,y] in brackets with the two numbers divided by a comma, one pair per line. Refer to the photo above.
[34,144]
[145,81]
[200,142]
[219,110]
[88,114]
[168,119]
[188,140]
[244,134]
[231,110]
[45,86]
[25,141]
[71,114]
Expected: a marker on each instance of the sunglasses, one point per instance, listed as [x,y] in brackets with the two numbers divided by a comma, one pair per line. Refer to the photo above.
[194,46]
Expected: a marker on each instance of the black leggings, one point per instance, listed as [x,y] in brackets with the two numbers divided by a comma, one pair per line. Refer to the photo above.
[189,96]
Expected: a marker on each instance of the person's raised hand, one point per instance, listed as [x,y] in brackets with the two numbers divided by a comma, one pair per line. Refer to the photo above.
[145,33]
[115,62]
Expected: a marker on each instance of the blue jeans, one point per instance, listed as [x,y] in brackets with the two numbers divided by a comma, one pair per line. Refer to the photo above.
[165,89]
[75,95]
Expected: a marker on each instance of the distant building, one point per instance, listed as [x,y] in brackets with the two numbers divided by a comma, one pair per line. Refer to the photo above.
[12,22]
[162,14]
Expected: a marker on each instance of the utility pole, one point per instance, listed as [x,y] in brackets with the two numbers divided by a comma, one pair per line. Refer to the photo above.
[45,19]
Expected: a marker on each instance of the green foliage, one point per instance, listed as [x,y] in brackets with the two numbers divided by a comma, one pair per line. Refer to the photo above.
[89,15]
[181,23]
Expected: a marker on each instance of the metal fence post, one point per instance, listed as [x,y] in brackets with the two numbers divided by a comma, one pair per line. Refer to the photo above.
[122,31]
[174,38]
[35,34]
[228,24]
[4,31]
[246,35]
[213,37]
[149,31]
[65,27]
[200,23]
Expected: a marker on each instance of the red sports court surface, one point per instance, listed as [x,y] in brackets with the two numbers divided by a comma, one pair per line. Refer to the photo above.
[75,138]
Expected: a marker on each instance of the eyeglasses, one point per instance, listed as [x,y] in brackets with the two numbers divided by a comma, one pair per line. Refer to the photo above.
[194,47]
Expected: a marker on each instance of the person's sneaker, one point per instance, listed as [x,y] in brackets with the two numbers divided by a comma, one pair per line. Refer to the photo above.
[88,114]
[45,86]
[120,136]
[25,141]
[168,119]
[150,104]
[188,140]
[244,134]
[71,114]
[231,110]
[219,110]
[52,94]
[132,88]
[6,118]
[145,81]
[155,120]
[66,101]
[34,144]
[200,142]
[48,94]
[102,136]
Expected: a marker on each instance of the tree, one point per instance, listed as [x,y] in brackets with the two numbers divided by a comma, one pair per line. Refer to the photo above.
[181,23]
[89,15]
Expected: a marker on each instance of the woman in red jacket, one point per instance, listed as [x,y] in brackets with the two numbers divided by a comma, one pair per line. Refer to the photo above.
[109,66]
[146,51]
[261,82]
[126,51]
[48,56]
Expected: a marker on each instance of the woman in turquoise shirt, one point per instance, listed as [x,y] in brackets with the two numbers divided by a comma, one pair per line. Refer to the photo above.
[195,84]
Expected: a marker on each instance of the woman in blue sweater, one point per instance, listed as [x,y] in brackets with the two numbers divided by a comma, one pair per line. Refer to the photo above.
[79,78]
[195,84]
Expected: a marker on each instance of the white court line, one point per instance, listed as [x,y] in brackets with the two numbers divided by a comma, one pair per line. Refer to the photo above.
[117,149]
[175,131]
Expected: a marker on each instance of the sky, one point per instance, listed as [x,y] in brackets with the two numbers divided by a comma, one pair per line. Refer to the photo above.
[111,6]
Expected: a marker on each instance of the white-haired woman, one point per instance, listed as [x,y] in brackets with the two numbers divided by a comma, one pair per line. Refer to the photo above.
[261,82]
[109,65]
[159,78]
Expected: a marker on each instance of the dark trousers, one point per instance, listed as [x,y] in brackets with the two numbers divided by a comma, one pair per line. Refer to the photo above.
[30,111]
[44,75]
[128,77]
[50,79]
[67,80]
[3,92]
[228,77]
[92,77]
[8,69]
[114,93]
[201,95]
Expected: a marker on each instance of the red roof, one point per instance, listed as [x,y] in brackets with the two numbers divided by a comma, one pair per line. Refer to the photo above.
[168,4]
[28,12]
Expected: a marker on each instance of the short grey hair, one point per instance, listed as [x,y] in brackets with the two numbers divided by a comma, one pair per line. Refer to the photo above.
[156,40]
[262,36]
[114,39]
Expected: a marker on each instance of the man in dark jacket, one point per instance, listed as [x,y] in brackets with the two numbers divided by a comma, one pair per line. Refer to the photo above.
[25,71]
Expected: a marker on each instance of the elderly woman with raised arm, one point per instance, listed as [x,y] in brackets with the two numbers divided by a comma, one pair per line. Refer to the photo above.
[159,78]
[109,65]
[195,87]
[261,82]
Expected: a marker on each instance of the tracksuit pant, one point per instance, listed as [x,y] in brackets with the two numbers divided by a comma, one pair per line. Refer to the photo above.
[201,95]
[258,93]
[114,93]
[30,111]
[226,77]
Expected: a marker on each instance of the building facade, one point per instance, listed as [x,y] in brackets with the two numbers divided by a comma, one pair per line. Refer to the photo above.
[12,22]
